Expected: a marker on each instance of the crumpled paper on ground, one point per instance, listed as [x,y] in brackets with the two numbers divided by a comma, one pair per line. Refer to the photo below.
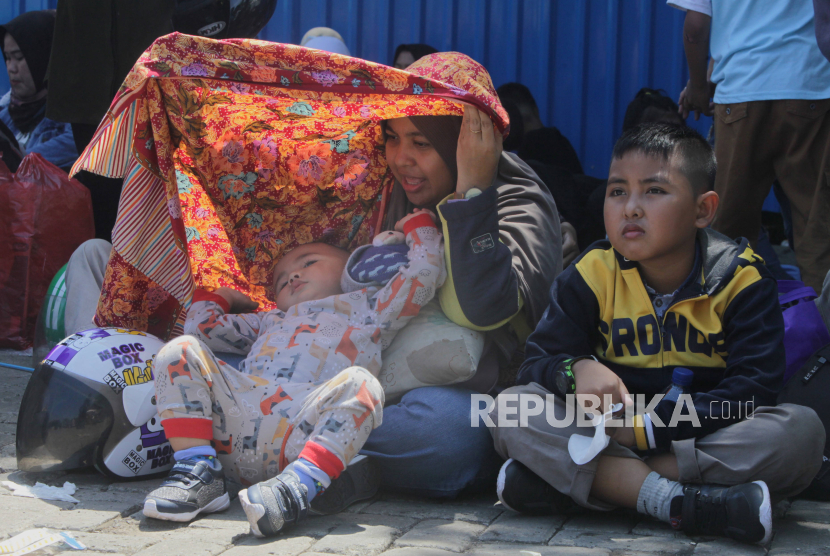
[44,492]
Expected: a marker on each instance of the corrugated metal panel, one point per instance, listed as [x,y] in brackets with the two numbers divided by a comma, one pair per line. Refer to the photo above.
[583,59]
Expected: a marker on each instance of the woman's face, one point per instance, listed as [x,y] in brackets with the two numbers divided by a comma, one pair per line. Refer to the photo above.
[23,85]
[416,164]
[404,60]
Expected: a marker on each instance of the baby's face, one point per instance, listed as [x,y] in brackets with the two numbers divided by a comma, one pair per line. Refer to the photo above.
[309,272]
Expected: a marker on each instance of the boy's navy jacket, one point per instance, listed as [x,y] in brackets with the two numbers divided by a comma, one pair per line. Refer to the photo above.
[725,324]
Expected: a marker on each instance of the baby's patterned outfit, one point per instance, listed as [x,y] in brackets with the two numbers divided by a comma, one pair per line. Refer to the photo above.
[307,387]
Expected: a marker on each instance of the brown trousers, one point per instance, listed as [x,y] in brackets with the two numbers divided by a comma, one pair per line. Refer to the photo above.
[757,142]
[780,445]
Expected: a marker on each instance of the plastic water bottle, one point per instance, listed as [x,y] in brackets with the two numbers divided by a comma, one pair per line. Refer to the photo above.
[681,379]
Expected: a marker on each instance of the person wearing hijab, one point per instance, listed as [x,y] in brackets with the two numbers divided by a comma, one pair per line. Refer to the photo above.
[26,42]
[407,54]
[503,249]
[325,38]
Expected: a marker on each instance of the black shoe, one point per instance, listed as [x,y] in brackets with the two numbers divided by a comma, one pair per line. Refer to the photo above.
[359,481]
[193,487]
[741,512]
[275,504]
[522,490]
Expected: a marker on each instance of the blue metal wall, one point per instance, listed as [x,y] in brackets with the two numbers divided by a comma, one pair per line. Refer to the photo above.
[584,60]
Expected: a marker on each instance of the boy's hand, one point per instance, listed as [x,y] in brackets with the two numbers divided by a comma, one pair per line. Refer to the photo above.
[416,212]
[239,302]
[594,378]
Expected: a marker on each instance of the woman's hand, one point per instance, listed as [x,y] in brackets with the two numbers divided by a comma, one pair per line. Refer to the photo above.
[479,149]
[238,301]
[399,224]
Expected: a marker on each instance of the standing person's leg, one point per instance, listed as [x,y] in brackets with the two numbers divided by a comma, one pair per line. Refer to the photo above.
[105,191]
[744,149]
[428,447]
[84,279]
[803,169]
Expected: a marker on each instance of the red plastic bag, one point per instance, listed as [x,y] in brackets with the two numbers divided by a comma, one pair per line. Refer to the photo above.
[44,217]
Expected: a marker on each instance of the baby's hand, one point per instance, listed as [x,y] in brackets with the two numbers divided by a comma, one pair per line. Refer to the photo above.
[238,301]
[416,212]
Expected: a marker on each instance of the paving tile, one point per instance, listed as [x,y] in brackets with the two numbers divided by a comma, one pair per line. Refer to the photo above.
[650,527]
[232,519]
[809,510]
[622,543]
[122,544]
[505,549]
[413,552]
[609,522]
[516,528]
[283,546]
[800,538]
[425,509]
[454,536]
[362,534]
[184,546]
[77,520]
[727,547]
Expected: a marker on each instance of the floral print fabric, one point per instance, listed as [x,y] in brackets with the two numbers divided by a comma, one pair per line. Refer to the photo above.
[241,150]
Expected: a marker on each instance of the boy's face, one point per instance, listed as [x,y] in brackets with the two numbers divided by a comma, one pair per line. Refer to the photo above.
[309,272]
[651,211]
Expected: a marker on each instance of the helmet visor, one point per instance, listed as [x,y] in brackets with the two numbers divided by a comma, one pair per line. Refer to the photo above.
[61,422]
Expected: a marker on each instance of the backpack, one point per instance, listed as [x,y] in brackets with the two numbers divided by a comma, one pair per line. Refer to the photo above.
[809,386]
[804,329]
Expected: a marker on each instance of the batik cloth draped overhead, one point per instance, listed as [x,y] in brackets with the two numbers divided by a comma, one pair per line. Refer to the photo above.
[235,151]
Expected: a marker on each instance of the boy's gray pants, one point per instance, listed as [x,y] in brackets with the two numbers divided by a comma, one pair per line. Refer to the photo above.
[780,445]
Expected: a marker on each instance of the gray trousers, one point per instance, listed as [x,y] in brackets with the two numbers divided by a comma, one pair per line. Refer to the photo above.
[780,445]
[84,279]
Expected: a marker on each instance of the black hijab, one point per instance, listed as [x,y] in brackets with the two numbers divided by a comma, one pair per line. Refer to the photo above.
[33,33]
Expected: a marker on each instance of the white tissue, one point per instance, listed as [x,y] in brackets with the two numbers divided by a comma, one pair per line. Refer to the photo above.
[584,448]
[44,492]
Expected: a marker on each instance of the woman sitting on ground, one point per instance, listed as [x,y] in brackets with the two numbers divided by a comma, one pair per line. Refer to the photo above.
[503,249]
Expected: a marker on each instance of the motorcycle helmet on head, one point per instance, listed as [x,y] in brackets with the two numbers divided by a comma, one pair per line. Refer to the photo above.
[91,402]
[222,19]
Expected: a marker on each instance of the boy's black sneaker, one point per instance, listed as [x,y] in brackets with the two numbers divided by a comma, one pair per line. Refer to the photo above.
[359,481]
[522,490]
[275,504]
[741,512]
[192,487]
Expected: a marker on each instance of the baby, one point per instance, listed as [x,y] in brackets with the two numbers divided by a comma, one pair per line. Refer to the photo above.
[306,397]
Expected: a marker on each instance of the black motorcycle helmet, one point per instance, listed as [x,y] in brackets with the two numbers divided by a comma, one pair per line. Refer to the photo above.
[223,19]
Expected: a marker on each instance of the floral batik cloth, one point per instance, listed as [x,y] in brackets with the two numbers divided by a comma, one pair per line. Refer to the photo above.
[235,151]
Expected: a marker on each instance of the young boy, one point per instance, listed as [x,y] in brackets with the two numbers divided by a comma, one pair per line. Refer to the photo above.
[663,291]
[303,402]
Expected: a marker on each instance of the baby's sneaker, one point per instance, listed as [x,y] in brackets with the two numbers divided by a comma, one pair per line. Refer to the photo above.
[275,504]
[194,486]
